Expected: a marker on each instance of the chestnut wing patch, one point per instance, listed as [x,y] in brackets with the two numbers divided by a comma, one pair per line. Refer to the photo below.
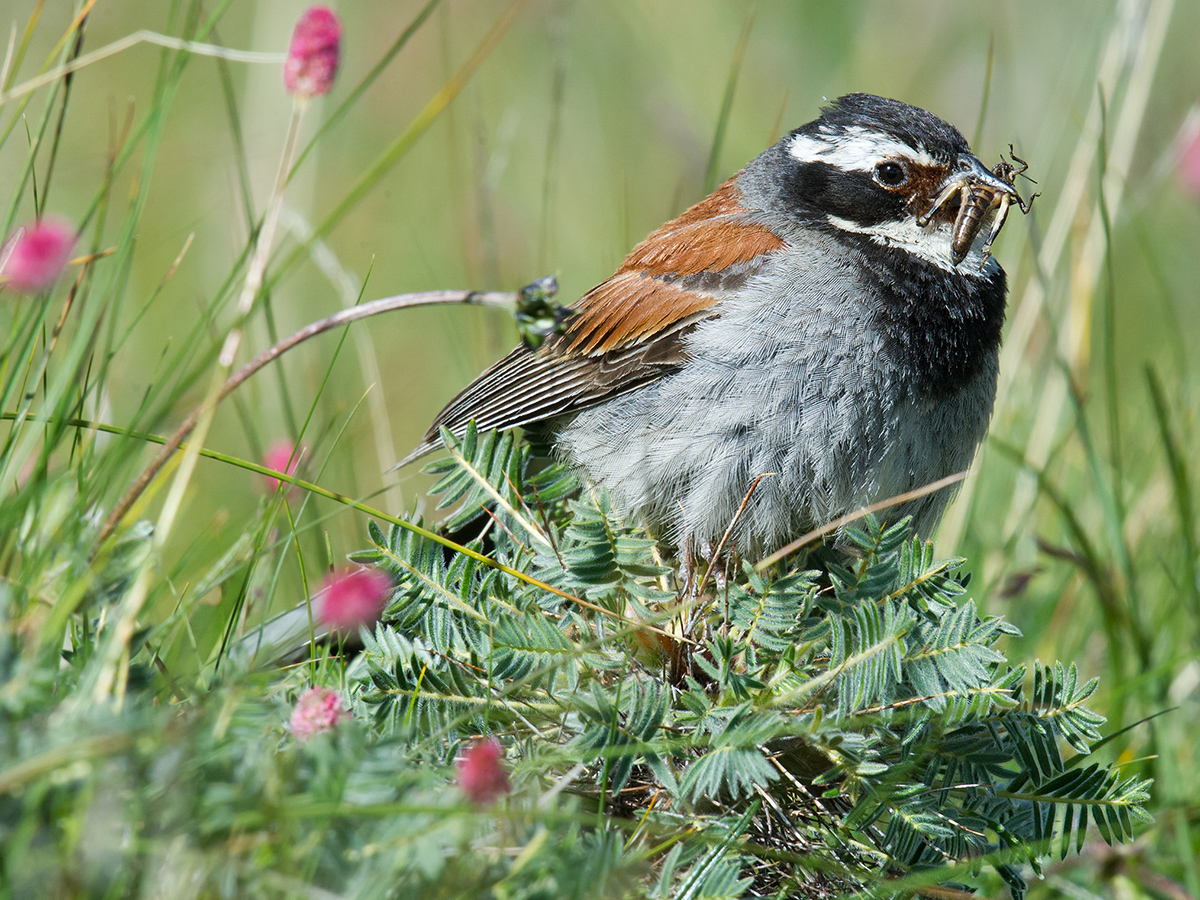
[628,308]
[679,271]
[628,330]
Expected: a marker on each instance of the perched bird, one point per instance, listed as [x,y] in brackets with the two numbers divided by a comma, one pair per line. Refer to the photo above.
[830,315]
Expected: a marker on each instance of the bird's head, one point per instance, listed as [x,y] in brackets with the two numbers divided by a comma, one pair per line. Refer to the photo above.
[895,173]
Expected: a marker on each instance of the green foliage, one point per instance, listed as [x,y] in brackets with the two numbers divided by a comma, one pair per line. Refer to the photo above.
[852,724]
[868,694]
[845,723]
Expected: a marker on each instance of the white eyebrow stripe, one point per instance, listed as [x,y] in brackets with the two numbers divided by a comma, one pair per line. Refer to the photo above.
[855,150]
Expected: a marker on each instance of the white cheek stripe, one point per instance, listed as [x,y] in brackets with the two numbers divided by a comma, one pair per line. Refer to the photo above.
[931,243]
[856,149]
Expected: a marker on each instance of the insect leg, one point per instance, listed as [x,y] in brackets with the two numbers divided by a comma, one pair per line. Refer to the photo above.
[1002,202]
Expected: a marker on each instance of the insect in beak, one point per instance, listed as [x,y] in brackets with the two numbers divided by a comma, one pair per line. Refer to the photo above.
[980,193]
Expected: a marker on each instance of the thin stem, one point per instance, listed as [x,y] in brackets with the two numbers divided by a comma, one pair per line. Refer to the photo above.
[342,317]
[132,40]
[233,340]
[115,655]
[830,527]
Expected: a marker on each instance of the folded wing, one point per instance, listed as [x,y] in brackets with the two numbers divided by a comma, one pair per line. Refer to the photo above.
[628,330]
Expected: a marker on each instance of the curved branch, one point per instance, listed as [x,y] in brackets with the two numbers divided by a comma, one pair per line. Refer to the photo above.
[498,299]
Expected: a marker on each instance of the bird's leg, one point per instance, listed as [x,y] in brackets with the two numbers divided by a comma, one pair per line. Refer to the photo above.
[721,563]
[680,658]
[687,568]
[695,569]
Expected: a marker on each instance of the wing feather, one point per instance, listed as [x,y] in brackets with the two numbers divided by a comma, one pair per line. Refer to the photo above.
[628,330]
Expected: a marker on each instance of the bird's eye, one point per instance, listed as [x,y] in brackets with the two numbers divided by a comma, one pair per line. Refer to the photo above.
[891,174]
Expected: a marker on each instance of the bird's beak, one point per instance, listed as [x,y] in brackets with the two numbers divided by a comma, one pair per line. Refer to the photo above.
[974,191]
[967,173]
[974,171]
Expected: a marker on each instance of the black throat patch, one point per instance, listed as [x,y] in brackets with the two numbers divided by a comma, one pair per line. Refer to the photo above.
[943,328]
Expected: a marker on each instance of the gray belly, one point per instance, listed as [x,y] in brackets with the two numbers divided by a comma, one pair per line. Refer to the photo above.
[797,387]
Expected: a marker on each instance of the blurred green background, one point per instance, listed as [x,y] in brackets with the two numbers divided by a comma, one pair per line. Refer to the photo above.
[589,125]
[593,122]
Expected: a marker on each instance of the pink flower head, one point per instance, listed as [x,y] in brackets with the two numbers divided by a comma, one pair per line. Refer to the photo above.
[353,597]
[37,254]
[318,709]
[312,60]
[282,456]
[480,774]
[1188,168]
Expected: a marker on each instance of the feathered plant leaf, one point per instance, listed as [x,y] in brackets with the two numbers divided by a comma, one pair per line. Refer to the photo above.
[872,684]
